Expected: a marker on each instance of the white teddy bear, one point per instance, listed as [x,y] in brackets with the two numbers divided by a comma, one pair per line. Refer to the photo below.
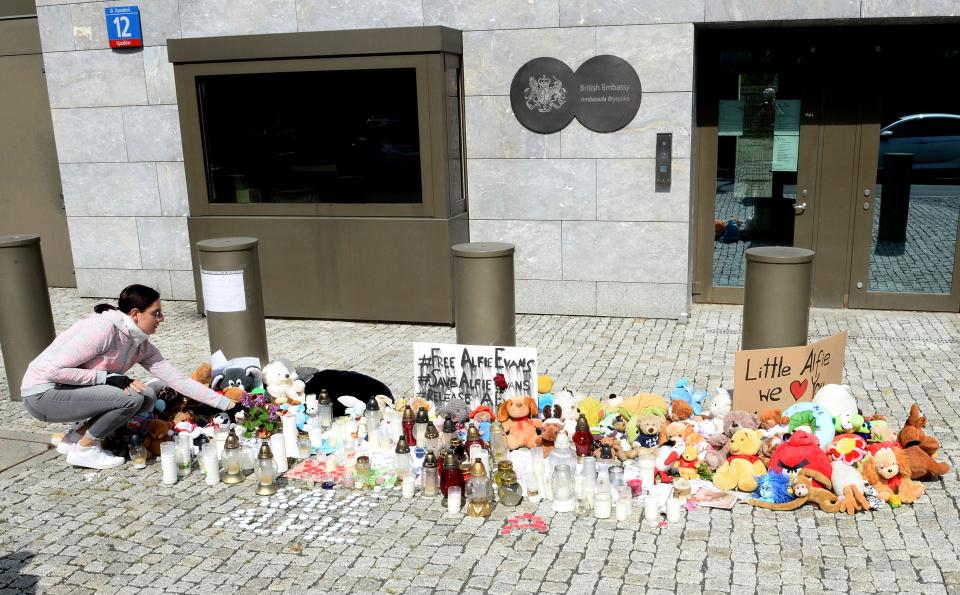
[282,382]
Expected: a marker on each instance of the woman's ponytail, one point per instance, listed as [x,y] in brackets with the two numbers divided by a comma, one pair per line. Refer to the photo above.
[101,308]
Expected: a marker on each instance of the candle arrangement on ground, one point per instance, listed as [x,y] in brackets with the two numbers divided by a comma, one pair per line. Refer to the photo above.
[644,456]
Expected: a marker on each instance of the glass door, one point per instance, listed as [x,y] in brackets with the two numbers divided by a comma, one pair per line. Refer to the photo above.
[905,235]
[757,125]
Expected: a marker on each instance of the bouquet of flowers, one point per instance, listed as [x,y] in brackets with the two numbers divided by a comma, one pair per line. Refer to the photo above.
[262,417]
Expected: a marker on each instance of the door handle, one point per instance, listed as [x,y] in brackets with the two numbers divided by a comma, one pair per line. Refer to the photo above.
[800,209]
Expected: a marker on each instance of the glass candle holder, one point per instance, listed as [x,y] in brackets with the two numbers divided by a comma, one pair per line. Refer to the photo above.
[602,505]
[168,462]
[624,503]
[138,454]
[303,446]
[453,499]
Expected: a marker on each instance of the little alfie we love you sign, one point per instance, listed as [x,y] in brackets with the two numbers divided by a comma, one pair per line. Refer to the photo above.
[778,378]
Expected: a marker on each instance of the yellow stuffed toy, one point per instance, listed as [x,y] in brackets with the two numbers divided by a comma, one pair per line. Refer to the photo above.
[743,463]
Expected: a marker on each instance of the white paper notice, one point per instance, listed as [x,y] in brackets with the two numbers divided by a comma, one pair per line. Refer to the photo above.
[223,291]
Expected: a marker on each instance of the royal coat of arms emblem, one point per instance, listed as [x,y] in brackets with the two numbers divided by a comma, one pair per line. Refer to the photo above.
[545,95]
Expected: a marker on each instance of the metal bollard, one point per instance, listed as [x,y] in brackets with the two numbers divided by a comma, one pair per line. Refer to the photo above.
[233,297]
[776,297]
[895,197]
[484,303]
[26,321]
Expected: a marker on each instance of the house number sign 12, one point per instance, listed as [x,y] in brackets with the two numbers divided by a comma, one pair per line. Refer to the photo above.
[123,26]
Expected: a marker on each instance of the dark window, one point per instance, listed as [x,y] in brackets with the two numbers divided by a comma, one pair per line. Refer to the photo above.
[928,127]
[332,136]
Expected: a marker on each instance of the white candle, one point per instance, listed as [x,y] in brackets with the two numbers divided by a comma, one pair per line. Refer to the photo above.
[673,510]
[168,462]
[289,422]
[407,488]
[651,511]
[279,449]
[331,464]
[453,500]
[623,509]
[212,468]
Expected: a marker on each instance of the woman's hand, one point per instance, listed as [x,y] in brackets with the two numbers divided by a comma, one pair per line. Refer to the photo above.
[136,386]
[231,405]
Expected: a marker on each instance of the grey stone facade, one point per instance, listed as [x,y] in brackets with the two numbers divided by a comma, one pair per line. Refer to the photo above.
[592,236]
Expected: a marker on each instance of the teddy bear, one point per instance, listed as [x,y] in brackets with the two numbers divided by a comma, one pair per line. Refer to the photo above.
[732,422]
[283,384]
[771,418]
[888,470]
[203,374]
[688,463]
[549,431]
[158,431]
[743,463]
[518,417]
[919,447]
[680,410]
[646,431]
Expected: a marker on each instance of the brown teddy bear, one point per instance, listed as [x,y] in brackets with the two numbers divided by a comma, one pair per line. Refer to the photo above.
[549,431]
[680,410]
[158,431]
[518,416]
[732,422]
[203,374]
[919,447]
[771,418]
[743,464]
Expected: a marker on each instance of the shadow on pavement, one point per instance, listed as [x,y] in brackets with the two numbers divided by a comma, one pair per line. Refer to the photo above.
[12,579]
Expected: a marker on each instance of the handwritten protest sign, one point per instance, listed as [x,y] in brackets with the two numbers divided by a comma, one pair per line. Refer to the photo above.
[442,371]
[766,378]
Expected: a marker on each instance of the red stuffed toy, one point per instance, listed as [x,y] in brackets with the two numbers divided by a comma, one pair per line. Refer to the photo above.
[802,450]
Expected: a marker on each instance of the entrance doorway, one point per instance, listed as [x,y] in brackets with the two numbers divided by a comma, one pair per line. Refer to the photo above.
[801,135]
[30,191]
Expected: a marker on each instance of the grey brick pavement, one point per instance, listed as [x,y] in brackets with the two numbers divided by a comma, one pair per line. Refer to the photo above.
[63,530]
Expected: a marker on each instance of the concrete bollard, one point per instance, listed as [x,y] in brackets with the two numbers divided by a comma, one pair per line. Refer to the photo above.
[26,321]
[483,293]
[233,297]
[776,297]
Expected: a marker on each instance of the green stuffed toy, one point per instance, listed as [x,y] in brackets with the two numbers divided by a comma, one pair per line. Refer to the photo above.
[801,419]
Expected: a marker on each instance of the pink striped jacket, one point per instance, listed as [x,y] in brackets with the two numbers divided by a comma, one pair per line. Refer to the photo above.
[85,353]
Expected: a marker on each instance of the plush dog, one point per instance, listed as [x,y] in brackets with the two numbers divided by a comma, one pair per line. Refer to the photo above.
[919,447]
[548,434]
[518,417]
[888,470]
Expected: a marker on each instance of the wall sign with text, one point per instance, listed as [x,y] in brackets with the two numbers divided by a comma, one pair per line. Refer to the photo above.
[123,26]
[603,94]
[778,378]
[442,371]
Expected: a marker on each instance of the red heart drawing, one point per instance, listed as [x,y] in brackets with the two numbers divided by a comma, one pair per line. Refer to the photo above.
[797,388]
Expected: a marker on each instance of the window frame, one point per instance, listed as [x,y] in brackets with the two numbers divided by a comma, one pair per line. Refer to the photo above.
[428,50]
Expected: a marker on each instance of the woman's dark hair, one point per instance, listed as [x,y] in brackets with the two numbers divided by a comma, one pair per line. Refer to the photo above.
[140,297]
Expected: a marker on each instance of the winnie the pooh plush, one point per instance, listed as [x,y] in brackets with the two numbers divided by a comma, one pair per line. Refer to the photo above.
[689,460]
[743,463]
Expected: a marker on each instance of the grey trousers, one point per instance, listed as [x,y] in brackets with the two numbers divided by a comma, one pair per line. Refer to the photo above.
[105,408]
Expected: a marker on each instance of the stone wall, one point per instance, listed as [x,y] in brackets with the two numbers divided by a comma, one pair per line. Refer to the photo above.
[592,236]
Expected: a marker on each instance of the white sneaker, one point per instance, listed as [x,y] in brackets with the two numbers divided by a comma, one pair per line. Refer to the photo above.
[92,457]
[69,439]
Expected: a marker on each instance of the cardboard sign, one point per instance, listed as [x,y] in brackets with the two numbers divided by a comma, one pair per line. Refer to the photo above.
[444,371]
[778,378]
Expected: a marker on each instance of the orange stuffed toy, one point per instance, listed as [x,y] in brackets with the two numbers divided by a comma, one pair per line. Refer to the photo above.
[920,448]
[518,417]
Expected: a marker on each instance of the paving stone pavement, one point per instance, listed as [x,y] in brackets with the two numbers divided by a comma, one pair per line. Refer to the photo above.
[64,530]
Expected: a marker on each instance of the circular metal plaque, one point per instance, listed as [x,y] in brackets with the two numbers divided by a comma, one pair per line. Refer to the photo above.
[609,91]
[544,95]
